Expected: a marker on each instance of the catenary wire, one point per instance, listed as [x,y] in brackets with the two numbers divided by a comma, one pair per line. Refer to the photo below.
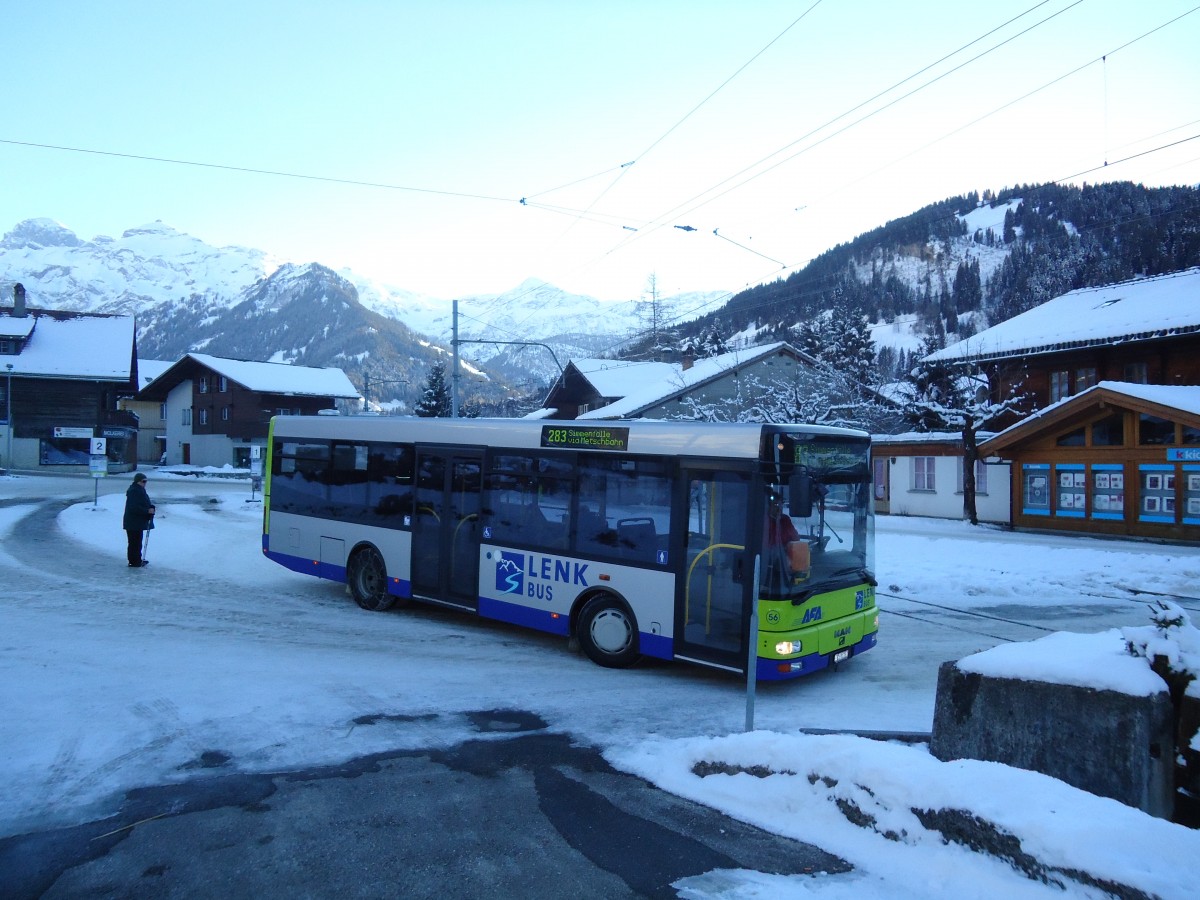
[624,167]
[1014,102]
[661,219]
[252,171]
[693,110]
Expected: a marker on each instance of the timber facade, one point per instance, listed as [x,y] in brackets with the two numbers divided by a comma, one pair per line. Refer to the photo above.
[1118,459]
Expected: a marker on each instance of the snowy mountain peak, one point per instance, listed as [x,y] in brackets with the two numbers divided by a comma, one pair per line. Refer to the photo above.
[35,233]
[155,227]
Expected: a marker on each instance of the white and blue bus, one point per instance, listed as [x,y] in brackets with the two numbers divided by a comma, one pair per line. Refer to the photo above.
[632,539]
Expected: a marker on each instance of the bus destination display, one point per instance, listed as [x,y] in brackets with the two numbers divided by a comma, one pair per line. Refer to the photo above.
[578,437]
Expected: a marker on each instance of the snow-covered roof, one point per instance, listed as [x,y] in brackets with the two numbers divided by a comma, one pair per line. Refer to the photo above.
[925,437]
[75,345]
[267,378]
[149,369]
[13,327]
[621,377]
[653,387]
[1182,397]
[1137,310]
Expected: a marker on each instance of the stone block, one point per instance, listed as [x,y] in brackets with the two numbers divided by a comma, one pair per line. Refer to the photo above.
[1109,743]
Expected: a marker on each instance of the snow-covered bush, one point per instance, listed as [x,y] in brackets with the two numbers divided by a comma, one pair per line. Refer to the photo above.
[1171,644]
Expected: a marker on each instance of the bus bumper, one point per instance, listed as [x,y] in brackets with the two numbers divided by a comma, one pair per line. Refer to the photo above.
[783,669]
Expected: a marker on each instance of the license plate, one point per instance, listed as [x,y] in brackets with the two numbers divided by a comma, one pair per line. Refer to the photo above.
[841,656]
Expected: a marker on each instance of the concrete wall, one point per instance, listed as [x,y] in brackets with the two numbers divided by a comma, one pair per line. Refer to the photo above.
[1111,744]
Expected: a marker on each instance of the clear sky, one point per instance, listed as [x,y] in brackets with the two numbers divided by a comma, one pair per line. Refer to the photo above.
[783,127]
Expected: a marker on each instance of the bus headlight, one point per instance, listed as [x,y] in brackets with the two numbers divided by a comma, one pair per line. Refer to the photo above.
[783,648]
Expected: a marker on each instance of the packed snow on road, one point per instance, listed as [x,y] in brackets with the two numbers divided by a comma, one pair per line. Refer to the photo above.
[113,678]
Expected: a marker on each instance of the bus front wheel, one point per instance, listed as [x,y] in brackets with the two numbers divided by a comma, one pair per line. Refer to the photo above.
[367,579]
[608,633]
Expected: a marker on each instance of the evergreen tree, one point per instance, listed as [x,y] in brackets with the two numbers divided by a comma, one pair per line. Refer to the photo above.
[968,291]
[840,340]
[850,348]
[435,402]
[714,344]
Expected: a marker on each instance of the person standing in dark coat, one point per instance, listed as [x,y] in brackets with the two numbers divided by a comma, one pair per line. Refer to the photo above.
[139,518]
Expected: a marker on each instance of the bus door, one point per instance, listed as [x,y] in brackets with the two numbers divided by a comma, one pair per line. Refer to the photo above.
[713,594]
[445,534]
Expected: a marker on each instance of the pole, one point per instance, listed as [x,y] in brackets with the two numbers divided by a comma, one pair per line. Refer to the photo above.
[752,656]
[454,364]
[8,414]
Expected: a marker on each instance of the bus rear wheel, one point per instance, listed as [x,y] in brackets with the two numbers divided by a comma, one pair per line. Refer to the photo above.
[367,578]
[608,633]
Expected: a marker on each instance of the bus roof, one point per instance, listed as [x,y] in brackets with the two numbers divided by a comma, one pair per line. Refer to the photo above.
[649,436]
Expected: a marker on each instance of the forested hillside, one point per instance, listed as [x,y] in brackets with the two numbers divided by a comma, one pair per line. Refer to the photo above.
[1053,239]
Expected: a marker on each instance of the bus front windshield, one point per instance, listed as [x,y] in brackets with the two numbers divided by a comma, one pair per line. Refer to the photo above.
[819,532]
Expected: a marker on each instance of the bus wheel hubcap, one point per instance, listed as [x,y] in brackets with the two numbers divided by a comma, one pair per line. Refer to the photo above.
[610,631]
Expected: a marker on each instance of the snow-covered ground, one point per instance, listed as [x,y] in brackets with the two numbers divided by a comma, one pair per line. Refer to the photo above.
[112,678]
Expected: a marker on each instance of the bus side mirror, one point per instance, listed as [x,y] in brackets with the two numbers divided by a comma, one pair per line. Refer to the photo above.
[800,496]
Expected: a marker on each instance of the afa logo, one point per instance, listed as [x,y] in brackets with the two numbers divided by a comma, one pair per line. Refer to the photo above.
[510,573]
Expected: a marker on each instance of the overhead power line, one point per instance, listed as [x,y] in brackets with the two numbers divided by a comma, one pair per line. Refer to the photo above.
[251,171]
[696,202]
[662,137]
[1026,96]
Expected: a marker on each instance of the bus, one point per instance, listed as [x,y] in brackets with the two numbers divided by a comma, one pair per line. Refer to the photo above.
[631,539]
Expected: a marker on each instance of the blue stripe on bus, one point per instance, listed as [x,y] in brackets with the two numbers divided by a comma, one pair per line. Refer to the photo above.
[398,587]
[656,645]
[515,613]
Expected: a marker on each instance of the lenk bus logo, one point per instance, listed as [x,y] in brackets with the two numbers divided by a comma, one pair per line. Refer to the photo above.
[533,576]
[510,573]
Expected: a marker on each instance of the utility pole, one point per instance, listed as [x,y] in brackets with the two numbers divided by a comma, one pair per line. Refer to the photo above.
[377,383]
[454,363]
[9,416]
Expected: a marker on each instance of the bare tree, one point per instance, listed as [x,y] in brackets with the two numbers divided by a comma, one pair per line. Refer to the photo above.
[956,397]
[816,395]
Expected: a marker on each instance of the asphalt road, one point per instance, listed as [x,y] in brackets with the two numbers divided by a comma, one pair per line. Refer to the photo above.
[518,812]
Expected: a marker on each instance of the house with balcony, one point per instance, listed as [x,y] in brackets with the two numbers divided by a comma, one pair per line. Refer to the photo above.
[1144,331]
[1111,444]
[64,375]
[218,410]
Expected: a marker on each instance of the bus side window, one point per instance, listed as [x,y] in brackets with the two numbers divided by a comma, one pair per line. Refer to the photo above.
[624,507]
[389,480]
[347,480]
[525,503]
[592,533]
[298,479]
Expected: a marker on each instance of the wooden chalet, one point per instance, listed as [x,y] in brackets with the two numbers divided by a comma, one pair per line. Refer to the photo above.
[1118,458]
[218,410]
[1145,331]
[64,373]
